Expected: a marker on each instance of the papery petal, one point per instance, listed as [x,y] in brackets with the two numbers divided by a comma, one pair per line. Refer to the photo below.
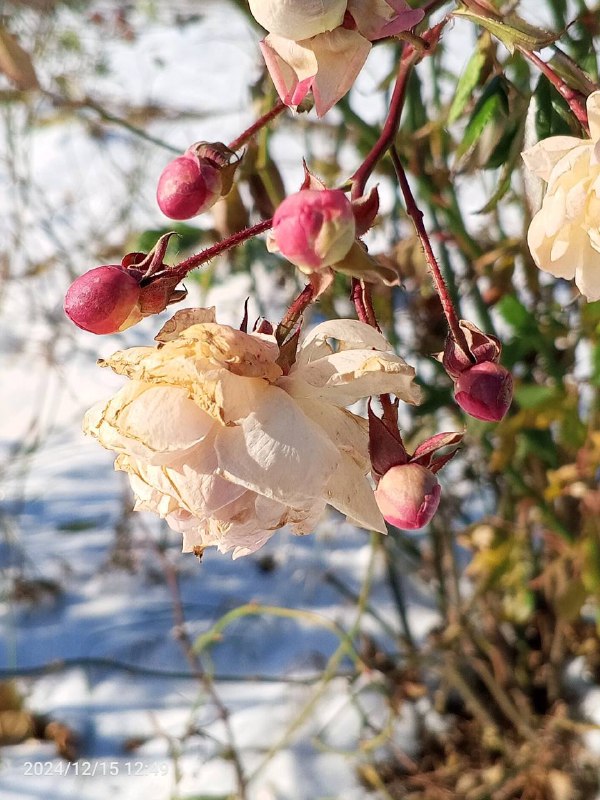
[345,377]
[350,492]
[340,54]
[199,347]
[134,421]
[183,319]
[298,20]
[540,244]
[593,112]
[277,451]
[283,76]
[349,432]
[378,18]
[298,56]
[575,164]
[545,155]
[350,334]
[587,275]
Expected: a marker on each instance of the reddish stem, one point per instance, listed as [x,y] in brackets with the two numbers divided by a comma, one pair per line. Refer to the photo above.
[358,300]
[575,99]
[410,57]
[260,123]
[294,312]
[440,285]
[363,303]
[182,269]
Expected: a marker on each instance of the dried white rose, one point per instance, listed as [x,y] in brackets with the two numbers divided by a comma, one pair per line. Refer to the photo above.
[564,235]
[228,449]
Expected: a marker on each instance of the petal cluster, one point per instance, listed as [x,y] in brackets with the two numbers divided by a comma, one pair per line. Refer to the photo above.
[321,46]
[228,449]
[564,235]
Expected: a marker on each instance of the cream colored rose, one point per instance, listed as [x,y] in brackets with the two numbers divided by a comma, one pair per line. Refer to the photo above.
[228,449]
[298,19]
[564,235]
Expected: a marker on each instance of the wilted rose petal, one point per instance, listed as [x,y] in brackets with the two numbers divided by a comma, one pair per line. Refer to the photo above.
[227,449]
[298,20]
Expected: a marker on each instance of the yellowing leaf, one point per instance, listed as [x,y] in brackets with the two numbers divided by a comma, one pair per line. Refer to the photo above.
[512,31]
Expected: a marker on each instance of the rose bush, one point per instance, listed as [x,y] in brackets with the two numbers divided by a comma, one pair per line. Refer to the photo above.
[564,235]
[227,448]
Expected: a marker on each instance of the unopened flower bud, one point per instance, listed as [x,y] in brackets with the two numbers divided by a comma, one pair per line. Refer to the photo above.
[188,186]
[104,300]
[408,496]
[485,391]
[314,229]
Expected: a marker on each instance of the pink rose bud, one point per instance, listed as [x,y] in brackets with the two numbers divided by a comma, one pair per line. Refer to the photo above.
[314,229]
[484,391]
[188,186]
[104,300]
[408,496]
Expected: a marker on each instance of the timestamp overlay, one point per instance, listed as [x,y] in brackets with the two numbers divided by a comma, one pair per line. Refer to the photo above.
[98,767]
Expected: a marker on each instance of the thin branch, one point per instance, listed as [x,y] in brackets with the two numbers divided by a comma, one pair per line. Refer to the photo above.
[440,285]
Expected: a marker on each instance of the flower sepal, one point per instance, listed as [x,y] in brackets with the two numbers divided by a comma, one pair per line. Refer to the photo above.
[482,387]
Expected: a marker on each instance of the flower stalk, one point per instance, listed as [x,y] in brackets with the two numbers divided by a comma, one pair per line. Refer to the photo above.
[575,99]
[257,126]
[416,215]
[182,269]
[410,57]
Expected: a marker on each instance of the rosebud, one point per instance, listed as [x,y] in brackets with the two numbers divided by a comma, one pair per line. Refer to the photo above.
[408,496]
[188,186]
[104,300]
[484,391]
[314,229]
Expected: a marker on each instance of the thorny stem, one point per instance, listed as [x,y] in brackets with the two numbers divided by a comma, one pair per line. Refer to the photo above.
[363,303]
[440,285]
[182,269]
[294,312]
[359,301]
[260,123]
[410,57]
[575,99]
[390,127]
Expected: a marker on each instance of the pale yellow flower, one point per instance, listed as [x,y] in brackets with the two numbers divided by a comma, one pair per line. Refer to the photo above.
[228,449]
[564,235]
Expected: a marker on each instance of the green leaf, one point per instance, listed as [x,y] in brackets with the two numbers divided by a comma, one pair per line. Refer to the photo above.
[77,525]
[187,237]
[538,443]
[511,30]
[492,105]
[468,81]
[515,313]
[595,376]
[531,395]
[552,114]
